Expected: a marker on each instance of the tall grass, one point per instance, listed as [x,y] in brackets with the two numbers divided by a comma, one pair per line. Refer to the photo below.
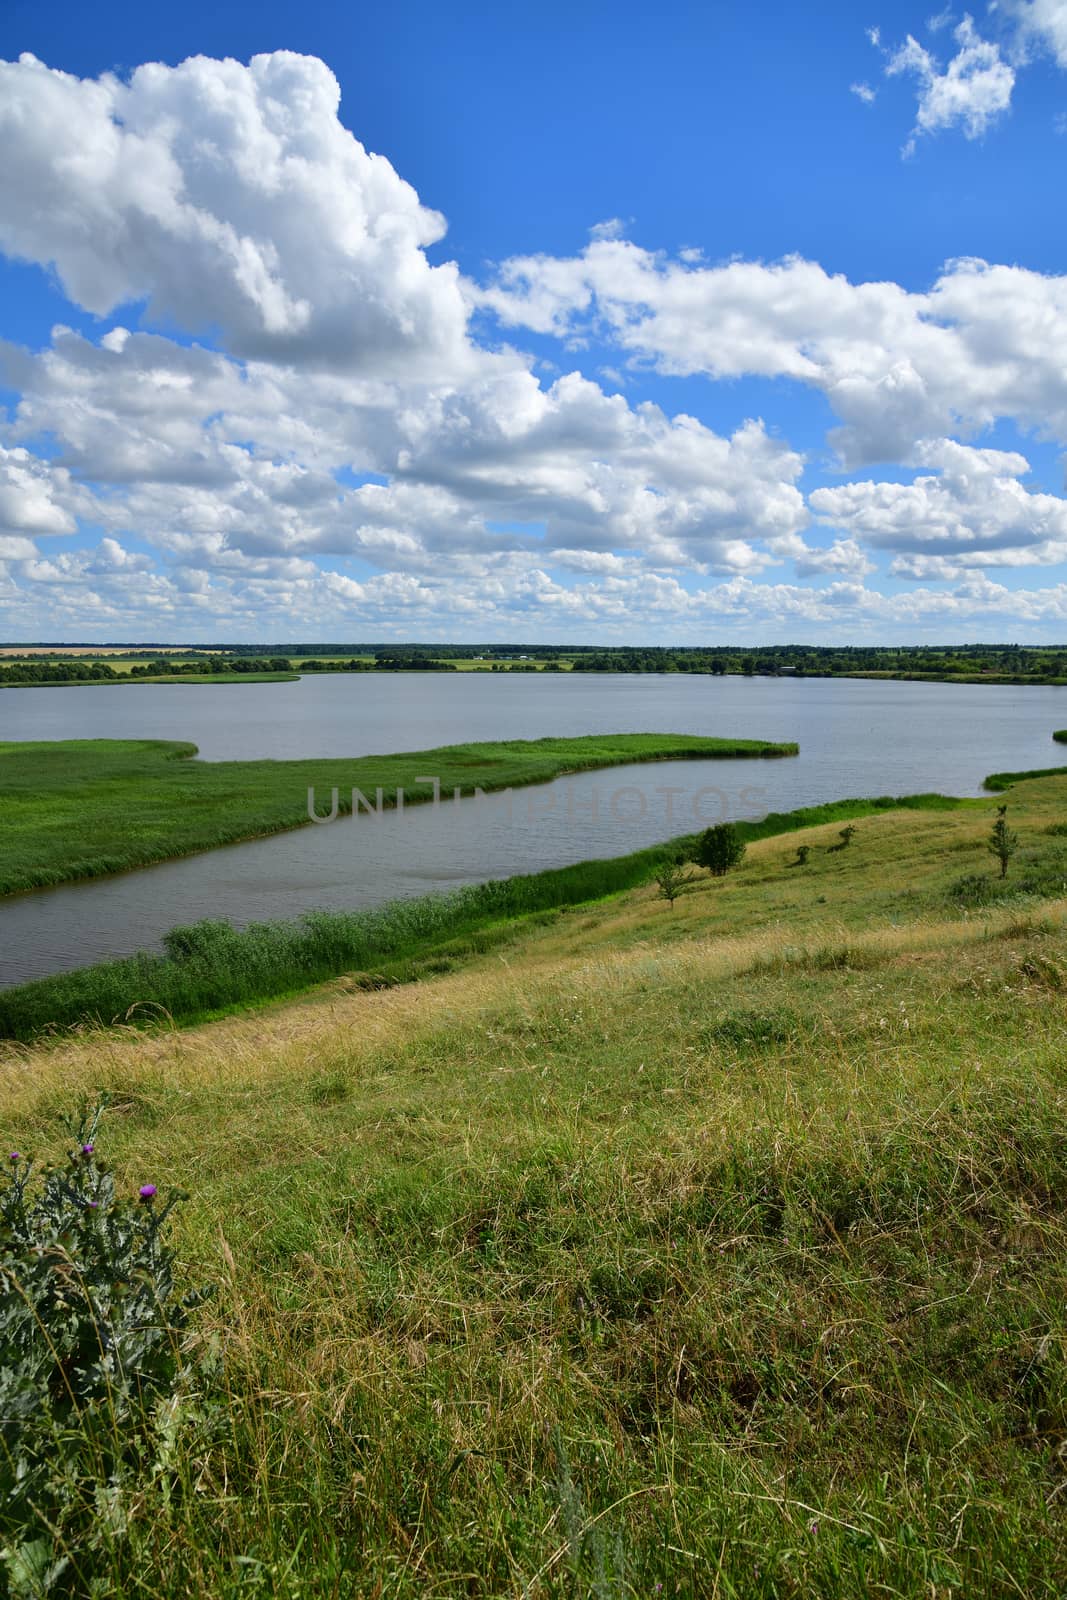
[626,1274]
[997,782]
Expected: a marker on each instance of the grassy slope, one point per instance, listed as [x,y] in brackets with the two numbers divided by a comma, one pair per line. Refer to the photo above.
[83,808]
[721,1246]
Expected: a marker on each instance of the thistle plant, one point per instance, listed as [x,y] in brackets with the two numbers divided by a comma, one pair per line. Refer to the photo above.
[94,1353]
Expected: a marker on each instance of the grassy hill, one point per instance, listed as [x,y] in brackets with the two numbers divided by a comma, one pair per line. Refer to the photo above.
[714,1250]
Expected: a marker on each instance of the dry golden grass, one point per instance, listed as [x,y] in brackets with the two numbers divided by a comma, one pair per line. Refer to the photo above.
[718,1247]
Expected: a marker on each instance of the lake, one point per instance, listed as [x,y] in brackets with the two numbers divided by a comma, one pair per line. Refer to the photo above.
[857,737]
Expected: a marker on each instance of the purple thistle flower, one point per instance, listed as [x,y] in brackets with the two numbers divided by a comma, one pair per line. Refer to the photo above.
[87,1149]
[147,1191]
[92,1204]
[15,1156]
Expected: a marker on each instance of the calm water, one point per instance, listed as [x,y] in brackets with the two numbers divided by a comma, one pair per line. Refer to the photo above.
[856,738]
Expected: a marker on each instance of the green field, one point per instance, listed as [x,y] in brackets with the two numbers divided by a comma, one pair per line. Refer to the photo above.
[714,1250]
[84,808]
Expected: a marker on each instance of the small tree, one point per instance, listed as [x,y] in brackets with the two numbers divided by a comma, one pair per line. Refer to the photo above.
[803,852]
[1002,842]
[671,879]
[719,849]
[846,835]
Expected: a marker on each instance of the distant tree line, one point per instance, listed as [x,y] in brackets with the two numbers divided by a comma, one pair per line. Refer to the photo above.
[40,670]
[995,663]
[203,665]
[398,662]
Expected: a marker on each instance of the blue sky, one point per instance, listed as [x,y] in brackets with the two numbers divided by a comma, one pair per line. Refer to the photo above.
[713,323]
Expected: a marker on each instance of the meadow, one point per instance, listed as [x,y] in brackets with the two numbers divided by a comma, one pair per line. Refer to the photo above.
[84,808]
[714,1249]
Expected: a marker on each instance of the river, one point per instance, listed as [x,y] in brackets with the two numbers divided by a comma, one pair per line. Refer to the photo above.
[856,737]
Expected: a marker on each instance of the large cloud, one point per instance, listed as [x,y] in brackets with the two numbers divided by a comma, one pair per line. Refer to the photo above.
[228,197]
[974,513]
[984,342]
[203,458]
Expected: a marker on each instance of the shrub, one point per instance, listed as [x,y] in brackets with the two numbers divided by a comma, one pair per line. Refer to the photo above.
[1002,842]
[719,849]
[975,889]
[94,1358]
[671,879]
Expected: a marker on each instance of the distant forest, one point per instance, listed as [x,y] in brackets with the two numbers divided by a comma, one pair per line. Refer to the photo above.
[997,663]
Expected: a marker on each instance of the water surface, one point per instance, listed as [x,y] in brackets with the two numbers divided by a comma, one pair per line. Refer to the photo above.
[857,737]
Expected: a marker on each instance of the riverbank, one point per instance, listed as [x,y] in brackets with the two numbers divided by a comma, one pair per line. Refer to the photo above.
[209,969]
[78,809]
[714,1249]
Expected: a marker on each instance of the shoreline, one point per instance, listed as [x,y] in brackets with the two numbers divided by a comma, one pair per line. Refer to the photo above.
[385,944]
[170,804]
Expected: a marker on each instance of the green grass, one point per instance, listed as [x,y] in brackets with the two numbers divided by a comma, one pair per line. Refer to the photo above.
[710,1251]
[999,781]
[84,808]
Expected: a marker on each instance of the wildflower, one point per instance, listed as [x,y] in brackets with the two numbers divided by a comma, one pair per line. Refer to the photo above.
[147,1191]
[14,1156]
[87,1149]
[814,1528]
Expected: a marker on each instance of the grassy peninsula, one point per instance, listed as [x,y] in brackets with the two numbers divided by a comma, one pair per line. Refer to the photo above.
[83,808]
[716,1250]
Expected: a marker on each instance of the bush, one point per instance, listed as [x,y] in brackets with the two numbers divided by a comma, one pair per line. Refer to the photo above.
[719,849]
[94,1359]
[975,889]
[671,879]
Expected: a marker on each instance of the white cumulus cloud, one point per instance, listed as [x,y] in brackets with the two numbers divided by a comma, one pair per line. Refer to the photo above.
[973,513]
[970,92]
[897,366]
[230,197]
